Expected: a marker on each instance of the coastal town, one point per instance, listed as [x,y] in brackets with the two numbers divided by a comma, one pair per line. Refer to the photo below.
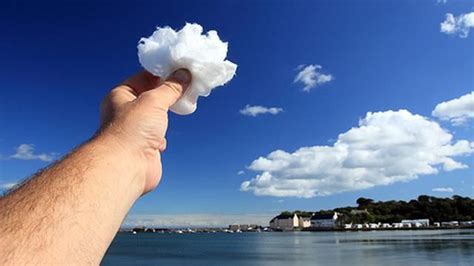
[425,212]
[328,222]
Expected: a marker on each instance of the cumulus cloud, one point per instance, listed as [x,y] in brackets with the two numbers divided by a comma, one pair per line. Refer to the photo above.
[204,55]
[311,77]
[443,189]
[195,220]
[255,110]
[386,147]
[458,111]
[26,152]
[459,25]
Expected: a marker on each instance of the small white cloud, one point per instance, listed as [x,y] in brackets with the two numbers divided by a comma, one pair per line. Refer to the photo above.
[443,189]
[241,172]
[259,110]
[26,152]
[458,25]
[386,147]
[458,111]
[311,77]
[441,2]
[6,186]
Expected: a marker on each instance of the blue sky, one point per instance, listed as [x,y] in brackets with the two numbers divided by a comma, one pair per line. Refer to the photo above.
[58,60]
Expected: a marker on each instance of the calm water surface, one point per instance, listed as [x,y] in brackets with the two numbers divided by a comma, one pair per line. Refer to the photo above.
[433,247]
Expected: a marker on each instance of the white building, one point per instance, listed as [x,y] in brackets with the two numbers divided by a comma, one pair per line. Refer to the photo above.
[416,223]
[450,224]
[386,225]
[373,226]
[397,225]
[304,222]
[324,220]
[284,222]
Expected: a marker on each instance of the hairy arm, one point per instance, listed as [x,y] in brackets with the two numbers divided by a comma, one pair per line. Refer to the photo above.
[71,211]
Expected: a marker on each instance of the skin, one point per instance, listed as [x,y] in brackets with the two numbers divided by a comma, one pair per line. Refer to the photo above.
[70,212]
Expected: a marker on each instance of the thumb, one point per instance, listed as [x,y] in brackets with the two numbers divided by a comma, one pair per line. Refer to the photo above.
[172,89]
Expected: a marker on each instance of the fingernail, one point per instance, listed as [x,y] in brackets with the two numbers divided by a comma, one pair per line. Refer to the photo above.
[183,76]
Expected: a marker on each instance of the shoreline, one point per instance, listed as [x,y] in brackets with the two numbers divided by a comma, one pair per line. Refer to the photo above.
[384,229]
[224,230]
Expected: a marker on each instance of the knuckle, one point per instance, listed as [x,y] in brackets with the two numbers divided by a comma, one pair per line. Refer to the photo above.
[173,87]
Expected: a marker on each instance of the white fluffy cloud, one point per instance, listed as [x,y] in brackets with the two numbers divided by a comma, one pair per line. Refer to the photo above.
[26,152]
[167,50]
[386,147]
[195,220]
[259,110]
[311,77]
[458,25]
[458,111]
[443,189]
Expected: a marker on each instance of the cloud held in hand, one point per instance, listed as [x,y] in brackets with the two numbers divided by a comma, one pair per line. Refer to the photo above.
[386,147]
[203,55]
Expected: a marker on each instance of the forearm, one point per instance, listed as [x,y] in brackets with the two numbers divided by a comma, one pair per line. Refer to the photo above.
[72,210]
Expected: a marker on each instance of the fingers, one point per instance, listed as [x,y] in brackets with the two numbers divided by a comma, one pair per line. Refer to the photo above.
[141,82]
[162,146]
[171,90]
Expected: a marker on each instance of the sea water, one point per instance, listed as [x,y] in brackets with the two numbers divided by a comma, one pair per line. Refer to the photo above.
[417,247]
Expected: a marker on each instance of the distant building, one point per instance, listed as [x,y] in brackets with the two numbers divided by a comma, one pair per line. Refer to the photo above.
[234,227]
[284,222]
[386,225]
[373,226]
[416,223]
[324,220]
[397,225]
[243,227]
[304,220]
[450,224]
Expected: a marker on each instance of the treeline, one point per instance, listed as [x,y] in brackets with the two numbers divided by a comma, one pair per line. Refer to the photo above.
[456,208]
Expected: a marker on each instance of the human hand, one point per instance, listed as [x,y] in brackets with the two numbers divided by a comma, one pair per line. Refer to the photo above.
[135,116]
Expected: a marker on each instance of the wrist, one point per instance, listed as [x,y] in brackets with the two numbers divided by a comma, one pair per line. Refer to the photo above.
[126,162]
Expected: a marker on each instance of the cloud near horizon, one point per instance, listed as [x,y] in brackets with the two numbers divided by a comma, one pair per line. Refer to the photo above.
[26,152]
[311,77]
[255,110]
[443,189]
[385,148]
[459,25]
[457,111]
[194,220]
